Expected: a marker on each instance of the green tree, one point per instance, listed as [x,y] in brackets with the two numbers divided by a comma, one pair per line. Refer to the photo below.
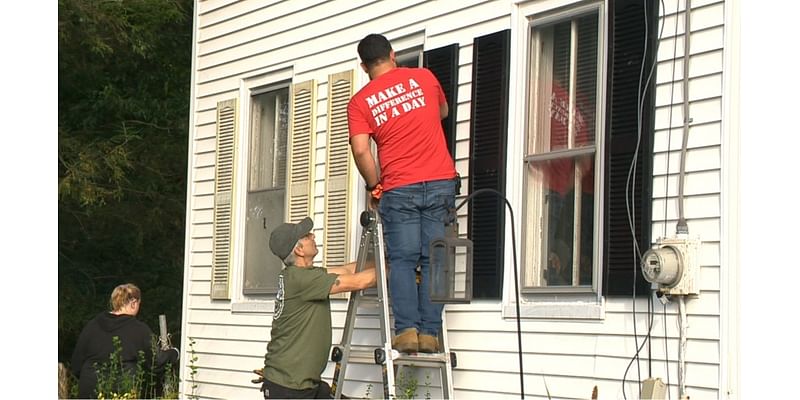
[123,112]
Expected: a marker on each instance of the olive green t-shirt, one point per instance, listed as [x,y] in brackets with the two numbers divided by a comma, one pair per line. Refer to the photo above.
[301,328]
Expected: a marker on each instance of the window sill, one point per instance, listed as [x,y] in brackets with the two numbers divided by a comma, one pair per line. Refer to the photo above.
[589,308]
[253,306]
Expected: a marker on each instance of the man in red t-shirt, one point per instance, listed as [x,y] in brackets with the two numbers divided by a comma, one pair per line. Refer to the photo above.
[401,110]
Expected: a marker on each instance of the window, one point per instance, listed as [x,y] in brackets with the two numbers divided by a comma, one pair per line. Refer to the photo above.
[561,153]
[409,57]
[587,159]
[266,187]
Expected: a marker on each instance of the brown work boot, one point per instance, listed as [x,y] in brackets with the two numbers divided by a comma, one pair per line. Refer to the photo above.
[406,341]
[428,343]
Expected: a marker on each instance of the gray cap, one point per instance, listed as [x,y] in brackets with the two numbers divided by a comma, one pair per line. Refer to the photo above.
[286,235]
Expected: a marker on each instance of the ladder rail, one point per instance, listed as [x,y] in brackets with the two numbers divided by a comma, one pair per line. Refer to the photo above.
[383,298]
[347,333]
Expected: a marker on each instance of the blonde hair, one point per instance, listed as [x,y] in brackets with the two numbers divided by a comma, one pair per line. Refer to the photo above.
[124,294]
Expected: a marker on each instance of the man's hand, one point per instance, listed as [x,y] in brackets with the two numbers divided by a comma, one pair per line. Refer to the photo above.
[260,373]
[375,195]
[373,203]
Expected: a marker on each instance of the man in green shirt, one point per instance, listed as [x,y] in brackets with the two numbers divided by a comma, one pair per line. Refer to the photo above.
[301,326]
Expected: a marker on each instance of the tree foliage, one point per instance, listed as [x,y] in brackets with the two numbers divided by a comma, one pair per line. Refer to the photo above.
[123,113]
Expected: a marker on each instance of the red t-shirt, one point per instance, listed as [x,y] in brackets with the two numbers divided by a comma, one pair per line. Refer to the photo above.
[562,171]
[400,109]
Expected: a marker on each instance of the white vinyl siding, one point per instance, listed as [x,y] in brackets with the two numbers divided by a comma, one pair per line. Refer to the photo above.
[316,39]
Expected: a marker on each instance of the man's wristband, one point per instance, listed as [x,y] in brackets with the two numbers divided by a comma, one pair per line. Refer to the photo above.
[370,188]
[376,191]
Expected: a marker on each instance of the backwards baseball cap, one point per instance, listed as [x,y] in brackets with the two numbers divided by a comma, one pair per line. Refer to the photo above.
[283,239]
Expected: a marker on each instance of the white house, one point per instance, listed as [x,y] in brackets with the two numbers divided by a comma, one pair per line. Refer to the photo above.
[654,87]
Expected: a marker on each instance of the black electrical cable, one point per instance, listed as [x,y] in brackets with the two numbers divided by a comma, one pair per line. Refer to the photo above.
[636,356]
[516,281]
[630,188]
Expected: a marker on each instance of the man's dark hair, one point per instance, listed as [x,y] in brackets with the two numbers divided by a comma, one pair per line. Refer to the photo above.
[373,49]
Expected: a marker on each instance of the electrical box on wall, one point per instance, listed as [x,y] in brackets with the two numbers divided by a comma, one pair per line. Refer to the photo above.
[672,265]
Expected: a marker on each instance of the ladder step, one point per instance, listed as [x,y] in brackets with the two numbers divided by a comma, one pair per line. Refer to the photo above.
[366,355]
[420,359]
[369,301]
[362,354]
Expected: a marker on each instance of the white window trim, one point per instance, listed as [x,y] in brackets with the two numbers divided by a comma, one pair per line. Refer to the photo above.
[558,309]
[248,86]
[549,303]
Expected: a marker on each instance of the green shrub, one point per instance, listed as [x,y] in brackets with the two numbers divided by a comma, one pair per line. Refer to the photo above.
[114,383]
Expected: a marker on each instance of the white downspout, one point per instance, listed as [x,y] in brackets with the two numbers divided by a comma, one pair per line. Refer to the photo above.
[730,218]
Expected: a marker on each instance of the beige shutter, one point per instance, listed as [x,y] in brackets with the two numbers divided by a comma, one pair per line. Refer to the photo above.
[339,171]
[223,204]
[301,143]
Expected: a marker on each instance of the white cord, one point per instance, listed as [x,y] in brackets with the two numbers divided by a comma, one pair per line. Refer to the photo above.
[682,325]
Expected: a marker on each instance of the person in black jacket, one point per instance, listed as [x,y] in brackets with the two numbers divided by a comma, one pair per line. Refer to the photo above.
[95,343]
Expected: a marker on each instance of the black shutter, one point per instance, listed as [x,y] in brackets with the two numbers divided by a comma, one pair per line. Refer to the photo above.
[487,168]
[626,48]
[443,62]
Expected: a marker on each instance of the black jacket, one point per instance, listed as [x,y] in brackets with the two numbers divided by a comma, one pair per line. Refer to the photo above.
[95,345]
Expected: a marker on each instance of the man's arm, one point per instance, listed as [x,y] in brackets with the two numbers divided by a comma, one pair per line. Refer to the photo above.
[343,270]
[353,282]
[359,145]
[443,110]
[349,268]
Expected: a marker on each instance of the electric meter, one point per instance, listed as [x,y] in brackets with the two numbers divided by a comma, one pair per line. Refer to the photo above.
[672,266]
[662,265]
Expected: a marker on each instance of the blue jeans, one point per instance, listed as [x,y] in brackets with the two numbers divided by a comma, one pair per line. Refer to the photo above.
[413,215]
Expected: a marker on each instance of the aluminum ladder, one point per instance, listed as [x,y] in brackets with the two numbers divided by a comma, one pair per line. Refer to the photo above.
[392,362]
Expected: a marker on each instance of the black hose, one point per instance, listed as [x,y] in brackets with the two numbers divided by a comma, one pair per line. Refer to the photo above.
[516,282]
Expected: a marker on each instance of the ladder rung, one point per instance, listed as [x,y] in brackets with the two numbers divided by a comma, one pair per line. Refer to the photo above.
[366,354]
[369,301]
[420,359]
[362,354]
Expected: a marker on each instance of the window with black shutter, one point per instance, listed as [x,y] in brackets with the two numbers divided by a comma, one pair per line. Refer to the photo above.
[488,130]
[587,156]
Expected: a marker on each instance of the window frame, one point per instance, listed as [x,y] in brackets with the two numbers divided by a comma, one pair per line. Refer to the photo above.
[530,271]
[247,152]
[406,57]
[554,302]
[260,82]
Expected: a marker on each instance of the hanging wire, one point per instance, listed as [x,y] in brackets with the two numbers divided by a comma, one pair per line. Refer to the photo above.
[630,188]
[516,279]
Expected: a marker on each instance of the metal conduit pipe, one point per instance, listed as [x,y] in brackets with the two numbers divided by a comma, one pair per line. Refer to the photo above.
[682,227]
